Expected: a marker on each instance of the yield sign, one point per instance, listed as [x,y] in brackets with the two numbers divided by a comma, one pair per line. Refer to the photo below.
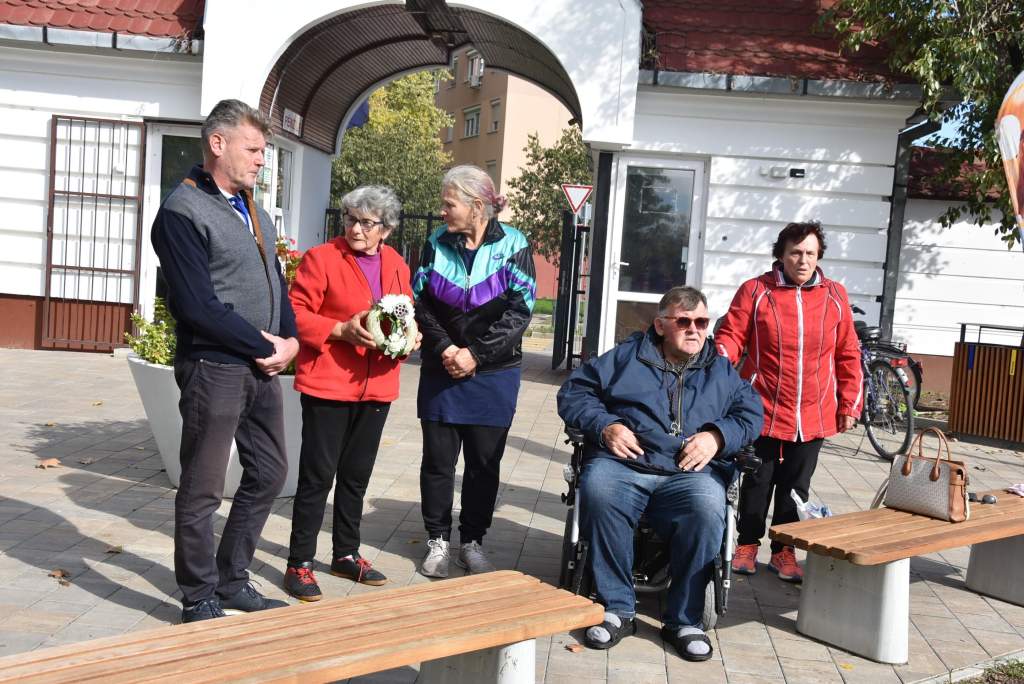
[577,195]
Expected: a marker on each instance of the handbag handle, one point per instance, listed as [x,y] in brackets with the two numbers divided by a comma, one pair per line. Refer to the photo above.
[919,441]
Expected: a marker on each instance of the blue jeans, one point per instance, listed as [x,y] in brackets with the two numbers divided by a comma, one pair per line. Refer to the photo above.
[686,509]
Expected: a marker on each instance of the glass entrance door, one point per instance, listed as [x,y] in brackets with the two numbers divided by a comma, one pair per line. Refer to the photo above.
[657,241]
[171,151]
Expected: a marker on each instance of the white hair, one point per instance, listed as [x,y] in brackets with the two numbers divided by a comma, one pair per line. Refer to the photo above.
[379,200]
[473,183]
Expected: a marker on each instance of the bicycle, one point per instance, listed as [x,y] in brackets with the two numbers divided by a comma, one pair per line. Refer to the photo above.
[888,405]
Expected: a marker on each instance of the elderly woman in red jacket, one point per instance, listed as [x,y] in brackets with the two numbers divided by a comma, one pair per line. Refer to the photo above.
[347,385]
[803,358]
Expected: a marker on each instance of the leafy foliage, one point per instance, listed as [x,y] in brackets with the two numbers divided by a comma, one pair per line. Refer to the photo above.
[536,197]
[399,146]
[971,49]
[156,341]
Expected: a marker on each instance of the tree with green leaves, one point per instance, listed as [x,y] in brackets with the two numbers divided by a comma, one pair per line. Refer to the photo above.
[399,146]
[536,197]
[970,48]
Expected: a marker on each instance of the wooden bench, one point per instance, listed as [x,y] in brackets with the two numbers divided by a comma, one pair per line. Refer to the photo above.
[856,590]
[469,629]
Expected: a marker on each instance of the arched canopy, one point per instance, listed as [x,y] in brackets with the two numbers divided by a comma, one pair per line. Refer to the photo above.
[327,69]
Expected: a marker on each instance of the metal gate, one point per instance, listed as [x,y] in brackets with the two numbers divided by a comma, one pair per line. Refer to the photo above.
[93,232]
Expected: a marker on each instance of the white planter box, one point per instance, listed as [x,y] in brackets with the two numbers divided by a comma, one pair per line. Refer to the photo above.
[160,395]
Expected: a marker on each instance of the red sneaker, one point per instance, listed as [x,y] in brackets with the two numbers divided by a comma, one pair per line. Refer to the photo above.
[300,582]
[784,563]
[744,561]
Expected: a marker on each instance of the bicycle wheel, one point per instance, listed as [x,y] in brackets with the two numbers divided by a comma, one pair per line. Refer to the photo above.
[890,415]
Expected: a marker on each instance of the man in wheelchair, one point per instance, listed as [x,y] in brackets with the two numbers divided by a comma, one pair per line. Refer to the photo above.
[662,415]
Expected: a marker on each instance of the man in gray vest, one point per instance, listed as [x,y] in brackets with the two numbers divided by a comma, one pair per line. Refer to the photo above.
[236,331]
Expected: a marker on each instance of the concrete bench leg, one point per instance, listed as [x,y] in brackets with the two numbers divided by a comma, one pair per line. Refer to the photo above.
[511,664]
[864,609]
[994,569]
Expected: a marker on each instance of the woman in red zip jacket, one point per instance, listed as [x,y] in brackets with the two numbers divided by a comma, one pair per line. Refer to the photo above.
[803,358]
[347,385]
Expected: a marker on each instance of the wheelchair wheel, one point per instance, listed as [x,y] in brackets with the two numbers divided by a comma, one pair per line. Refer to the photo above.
[710,617]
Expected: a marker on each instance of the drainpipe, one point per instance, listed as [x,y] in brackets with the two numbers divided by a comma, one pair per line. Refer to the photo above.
[598,237]
[918,127]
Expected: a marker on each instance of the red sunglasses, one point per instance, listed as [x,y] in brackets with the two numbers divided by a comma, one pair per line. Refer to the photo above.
[683,322]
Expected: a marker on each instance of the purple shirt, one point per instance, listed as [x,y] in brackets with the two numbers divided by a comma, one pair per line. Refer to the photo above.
[369,264]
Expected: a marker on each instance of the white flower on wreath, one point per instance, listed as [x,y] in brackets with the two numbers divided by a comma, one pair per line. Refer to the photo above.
[398,310]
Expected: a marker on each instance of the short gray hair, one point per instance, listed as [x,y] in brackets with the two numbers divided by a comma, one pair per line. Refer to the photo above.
[473,183]
[683,296]
[379,200]
[228,114]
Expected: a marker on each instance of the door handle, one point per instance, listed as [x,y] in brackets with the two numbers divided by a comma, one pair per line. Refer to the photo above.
[623,263]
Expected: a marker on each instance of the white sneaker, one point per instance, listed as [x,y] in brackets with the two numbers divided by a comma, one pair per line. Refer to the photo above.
[471,557]
[436,562]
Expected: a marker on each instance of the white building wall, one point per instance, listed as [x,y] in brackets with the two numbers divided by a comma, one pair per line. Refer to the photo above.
[949,276]
[38,82]
[845,147]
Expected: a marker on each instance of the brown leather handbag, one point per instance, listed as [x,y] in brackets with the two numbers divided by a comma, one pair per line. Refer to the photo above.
[933,487]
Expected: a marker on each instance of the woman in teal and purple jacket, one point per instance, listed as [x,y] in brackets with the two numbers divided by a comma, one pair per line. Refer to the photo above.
[475,290]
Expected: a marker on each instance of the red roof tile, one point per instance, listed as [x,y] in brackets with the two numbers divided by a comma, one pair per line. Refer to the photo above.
[922,183]
[156,18]
[755,38]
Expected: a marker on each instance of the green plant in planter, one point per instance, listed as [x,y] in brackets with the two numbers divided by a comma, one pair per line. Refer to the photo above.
[156,340]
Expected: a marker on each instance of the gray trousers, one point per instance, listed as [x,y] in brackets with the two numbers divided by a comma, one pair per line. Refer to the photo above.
[220,402]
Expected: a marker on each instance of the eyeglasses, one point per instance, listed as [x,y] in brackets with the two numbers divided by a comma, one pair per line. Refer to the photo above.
[684,322]
[366,224]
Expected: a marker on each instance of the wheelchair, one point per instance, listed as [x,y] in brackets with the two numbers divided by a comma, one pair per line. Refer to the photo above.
[650,554]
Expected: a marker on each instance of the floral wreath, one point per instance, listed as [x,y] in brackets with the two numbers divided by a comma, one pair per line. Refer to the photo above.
[392,323]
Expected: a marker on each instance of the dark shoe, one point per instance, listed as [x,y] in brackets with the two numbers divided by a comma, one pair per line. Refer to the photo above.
[681,643]
[248,600]
[357,569]
[206,609]
[300,582]
[608,633]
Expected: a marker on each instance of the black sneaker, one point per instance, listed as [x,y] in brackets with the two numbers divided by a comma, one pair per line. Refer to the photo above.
[357,569]
[300,582]
[205,609]
[248,600]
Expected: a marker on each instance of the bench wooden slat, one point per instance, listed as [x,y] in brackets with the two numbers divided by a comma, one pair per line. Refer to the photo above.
[470,633]
[174,636]
[936,541]
[321,640]
[919,525]
[883,535]
[812,529]
[908,525]
[324,641]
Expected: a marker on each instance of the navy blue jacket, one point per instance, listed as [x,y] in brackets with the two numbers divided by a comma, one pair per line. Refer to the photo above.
[633,385]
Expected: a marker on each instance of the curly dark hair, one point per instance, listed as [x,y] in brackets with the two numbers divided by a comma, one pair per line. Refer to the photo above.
[795,233]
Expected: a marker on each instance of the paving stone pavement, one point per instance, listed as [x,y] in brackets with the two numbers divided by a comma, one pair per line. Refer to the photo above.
[105,516]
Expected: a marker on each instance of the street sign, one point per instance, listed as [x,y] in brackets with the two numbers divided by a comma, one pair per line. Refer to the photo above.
[577,195]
